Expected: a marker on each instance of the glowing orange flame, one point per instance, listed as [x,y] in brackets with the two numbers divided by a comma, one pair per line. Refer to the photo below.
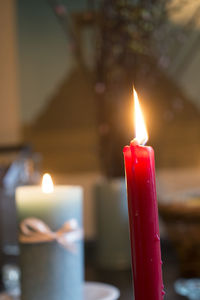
[140,128]
[47,184]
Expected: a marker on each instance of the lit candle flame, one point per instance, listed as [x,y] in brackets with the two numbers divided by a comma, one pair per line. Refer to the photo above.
[140,128]
[47,184]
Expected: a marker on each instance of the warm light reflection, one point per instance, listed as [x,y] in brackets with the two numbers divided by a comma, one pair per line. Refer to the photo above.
[47,184]
[140,128]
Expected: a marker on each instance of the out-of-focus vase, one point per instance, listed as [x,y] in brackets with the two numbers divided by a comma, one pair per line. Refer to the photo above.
[113,245]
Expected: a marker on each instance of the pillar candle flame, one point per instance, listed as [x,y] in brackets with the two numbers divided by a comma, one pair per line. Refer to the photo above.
[47,184]
[140,128]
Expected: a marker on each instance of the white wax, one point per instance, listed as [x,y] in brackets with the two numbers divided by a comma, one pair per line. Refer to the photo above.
[53,208]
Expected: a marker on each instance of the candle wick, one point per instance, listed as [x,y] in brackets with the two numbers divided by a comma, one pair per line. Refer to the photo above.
[135,142]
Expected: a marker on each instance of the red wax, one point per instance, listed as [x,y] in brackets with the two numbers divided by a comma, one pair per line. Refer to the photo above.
[143,221]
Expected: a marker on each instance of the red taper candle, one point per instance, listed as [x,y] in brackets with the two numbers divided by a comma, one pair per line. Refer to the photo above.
[143,214]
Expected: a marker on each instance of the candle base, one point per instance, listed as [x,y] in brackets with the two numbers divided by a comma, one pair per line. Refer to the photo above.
[51,272]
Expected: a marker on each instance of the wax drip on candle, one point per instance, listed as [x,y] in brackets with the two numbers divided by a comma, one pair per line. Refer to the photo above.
[157,238]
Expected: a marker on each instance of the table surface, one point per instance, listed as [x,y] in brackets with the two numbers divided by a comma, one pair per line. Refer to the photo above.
[122,278]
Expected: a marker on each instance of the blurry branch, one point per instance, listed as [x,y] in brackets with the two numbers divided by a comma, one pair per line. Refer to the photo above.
[61,12]
[72,25]
[126,29]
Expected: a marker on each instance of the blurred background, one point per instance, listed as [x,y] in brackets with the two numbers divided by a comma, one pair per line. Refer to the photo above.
[67,69]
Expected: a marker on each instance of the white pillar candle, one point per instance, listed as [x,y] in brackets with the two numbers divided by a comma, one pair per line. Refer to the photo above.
[50,271]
